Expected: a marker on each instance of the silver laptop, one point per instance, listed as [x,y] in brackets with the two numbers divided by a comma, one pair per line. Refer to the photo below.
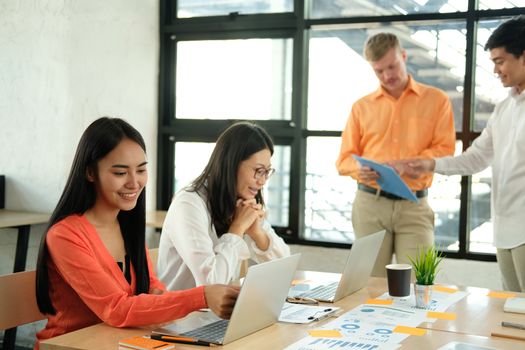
[258,306]
[358,268]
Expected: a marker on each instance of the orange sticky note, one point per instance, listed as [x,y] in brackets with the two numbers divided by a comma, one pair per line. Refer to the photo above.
[410,330]
[442,315]
[493,294]
[325,333]
[444,289]
[379,301]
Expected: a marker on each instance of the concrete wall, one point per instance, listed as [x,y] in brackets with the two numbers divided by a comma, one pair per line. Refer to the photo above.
[64,63]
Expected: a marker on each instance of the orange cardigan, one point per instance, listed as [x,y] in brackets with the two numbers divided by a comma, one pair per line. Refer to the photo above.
[88,287]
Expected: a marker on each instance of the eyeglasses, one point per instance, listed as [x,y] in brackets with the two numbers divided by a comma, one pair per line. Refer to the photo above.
[259,173]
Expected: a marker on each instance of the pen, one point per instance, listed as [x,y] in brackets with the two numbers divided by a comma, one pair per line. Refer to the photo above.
[318,318]
[182,340]
[504,335]
[513,325]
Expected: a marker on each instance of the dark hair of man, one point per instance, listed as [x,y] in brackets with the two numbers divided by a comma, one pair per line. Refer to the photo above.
[100,138]
[218,180]
[509,35]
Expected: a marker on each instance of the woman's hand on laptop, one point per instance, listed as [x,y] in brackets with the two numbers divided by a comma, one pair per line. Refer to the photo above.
[221,299]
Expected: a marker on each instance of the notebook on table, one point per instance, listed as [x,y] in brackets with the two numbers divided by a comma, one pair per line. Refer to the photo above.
[142,343]
[516,305]
[258,306]
[356,272]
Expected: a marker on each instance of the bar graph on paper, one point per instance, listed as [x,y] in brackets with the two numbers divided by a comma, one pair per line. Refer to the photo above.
[312,343]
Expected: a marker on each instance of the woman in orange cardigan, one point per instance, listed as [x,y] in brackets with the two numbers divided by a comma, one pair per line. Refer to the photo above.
[93,264]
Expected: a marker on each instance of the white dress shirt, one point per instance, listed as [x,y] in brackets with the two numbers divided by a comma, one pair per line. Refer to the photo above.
[191,253]
[502,145]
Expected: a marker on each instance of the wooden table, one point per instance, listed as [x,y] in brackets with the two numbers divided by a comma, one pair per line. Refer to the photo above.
[477,305]
[474,307]
[277,336]
[280,335]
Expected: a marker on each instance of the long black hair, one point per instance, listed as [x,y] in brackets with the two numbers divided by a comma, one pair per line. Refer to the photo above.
[218,180]
[79,194]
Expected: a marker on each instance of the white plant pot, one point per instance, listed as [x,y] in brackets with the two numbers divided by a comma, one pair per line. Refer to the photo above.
[423,295]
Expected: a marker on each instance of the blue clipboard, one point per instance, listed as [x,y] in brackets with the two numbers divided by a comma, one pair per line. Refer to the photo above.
[389,180]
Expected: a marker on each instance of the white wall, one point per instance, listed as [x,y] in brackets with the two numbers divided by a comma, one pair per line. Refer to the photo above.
[64,63]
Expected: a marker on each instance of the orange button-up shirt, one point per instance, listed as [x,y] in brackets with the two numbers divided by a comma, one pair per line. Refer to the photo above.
[88,287]
[420,124]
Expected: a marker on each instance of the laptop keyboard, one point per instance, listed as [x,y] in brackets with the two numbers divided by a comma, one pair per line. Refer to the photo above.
[325,292]
[212,332]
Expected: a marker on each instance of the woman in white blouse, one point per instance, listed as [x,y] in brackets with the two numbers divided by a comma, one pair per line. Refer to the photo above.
[219,220]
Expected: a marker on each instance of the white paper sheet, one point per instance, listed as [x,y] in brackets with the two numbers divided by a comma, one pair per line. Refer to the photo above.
[440,302]
[314,343]
[298,313]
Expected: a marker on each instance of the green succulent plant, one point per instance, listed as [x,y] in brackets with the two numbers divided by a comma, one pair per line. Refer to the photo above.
[425,265]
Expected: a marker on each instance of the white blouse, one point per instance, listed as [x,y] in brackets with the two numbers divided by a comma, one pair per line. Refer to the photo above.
[191,253]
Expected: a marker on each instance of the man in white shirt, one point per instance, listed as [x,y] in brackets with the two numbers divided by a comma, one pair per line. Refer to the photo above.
[502,146]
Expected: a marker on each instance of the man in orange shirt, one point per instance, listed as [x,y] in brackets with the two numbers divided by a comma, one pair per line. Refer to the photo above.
[402,119]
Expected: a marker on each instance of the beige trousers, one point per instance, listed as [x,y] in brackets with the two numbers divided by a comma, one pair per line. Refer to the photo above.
[409,226]
[511,264]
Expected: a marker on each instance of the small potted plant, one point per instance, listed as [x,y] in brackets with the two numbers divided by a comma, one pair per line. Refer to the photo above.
[425,265]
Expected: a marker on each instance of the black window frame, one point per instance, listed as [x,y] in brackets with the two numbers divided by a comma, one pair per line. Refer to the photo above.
[294,132]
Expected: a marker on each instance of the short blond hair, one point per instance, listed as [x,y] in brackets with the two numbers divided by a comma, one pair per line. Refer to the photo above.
[379,44]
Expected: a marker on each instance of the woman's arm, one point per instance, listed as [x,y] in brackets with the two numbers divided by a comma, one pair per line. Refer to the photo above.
[277,248]
[111,298]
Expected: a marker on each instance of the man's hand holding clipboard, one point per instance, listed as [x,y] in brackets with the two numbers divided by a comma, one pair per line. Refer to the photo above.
[389,180]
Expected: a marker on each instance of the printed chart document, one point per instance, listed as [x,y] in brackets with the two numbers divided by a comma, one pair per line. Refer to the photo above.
[389,181]
[297,313]
[385,314]
[320,343]
[439,302]
[380,325]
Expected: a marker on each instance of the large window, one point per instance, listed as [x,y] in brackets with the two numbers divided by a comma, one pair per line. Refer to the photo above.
[234,79]
[199,8]
[296,67]
[328,196]
[359,8]
[436,56]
